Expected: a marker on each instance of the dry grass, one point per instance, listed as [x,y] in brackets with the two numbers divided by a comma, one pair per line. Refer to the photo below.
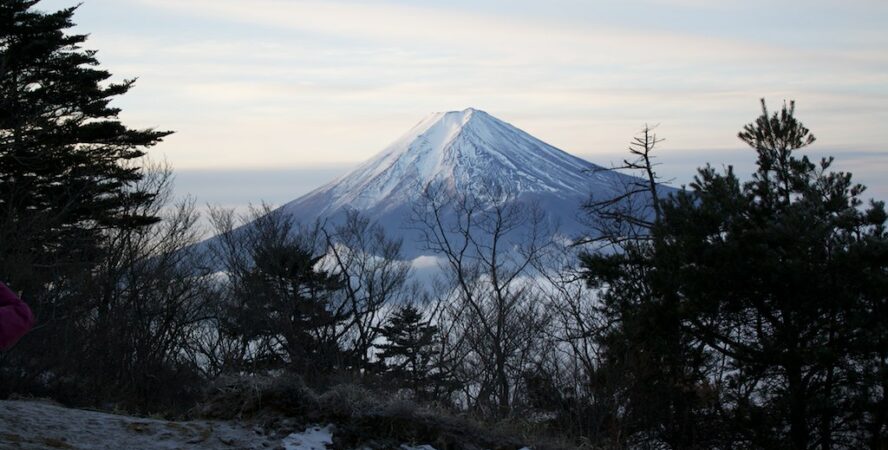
[55,443]
[139,427]
[250,397]
[10,437]
[363,418]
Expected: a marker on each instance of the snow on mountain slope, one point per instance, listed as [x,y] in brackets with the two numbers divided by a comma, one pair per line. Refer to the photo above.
[468,152]
[464,148]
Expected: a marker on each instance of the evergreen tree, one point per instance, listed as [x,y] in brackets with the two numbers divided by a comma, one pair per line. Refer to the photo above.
[284,309]
[780,281]
[771,275]
[67,163]
[70,186]
[409,349]
[651,381]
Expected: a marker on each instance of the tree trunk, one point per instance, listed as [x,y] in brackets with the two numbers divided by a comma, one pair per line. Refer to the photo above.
[502,384]
[797,408]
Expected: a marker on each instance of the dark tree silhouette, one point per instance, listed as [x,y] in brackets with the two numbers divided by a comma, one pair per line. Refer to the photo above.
[408,352]
[75,208]
[277,302]
[775,285]
[67,163]
[649,376]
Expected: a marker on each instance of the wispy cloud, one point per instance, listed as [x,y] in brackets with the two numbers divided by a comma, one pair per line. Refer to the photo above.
[271,83]
[507,40]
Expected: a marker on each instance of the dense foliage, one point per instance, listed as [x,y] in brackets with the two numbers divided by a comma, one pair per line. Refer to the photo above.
[757,310]
[65,171]
[73,196]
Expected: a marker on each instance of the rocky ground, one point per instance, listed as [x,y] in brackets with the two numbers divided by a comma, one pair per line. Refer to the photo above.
[45,425]
[41,424]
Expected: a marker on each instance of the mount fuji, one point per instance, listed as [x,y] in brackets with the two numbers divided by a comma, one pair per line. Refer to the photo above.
[468,152]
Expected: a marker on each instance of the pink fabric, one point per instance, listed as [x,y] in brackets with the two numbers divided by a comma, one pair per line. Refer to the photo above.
[15,318]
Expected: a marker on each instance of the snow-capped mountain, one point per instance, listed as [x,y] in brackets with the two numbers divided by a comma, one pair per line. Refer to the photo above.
[463,148]
[468,152]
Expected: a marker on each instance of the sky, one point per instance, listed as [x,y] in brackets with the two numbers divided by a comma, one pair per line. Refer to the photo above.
[271,98]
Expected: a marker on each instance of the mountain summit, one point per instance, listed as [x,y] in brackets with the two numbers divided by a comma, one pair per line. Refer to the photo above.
[468,152]
[463,149]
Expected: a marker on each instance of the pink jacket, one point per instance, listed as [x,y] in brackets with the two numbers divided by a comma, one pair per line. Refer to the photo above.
[15,318]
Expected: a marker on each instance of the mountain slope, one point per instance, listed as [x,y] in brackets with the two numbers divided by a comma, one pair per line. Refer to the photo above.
[466,152]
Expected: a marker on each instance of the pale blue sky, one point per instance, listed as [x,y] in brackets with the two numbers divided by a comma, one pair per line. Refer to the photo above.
[299,85]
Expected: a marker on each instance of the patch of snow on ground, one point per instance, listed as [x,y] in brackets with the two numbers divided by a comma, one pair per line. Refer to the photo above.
[313,438]
[41,425]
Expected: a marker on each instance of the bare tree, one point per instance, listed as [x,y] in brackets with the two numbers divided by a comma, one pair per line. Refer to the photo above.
[143,302]
[627,215]
[487,244]
[620,221]
[374,276]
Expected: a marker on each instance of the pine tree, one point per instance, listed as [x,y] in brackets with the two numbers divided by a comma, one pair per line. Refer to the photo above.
[67,163]
[285,301]
[774,292]
[650,379]
[409,349]
[70,180]
[771,276]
